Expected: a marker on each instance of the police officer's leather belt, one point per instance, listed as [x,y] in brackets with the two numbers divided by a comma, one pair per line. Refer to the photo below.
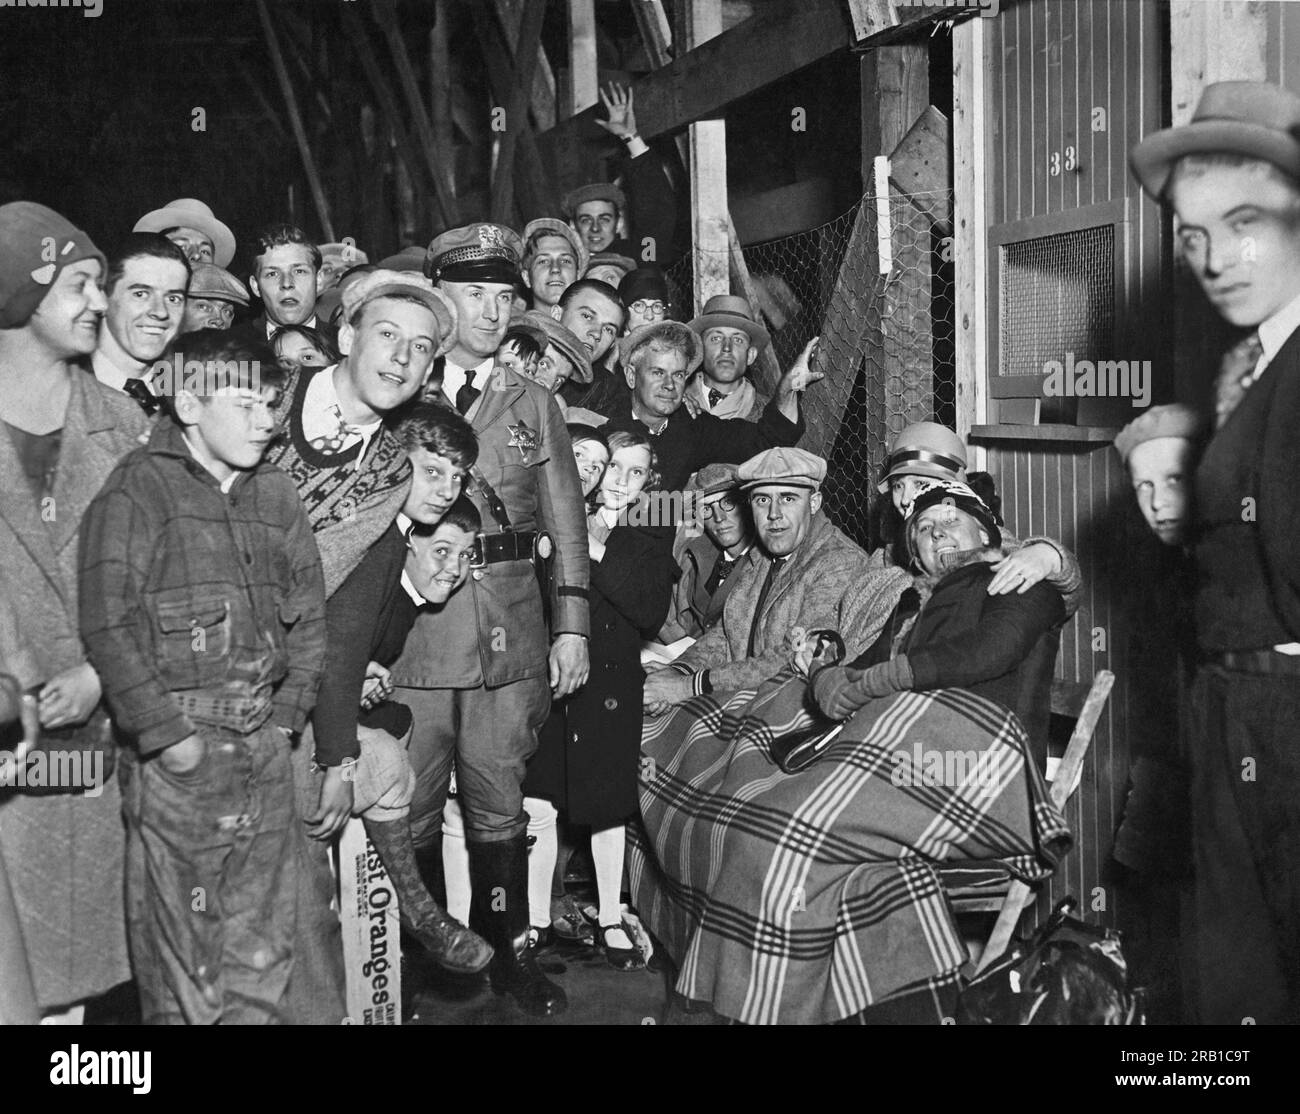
[1257,661]
[490,549]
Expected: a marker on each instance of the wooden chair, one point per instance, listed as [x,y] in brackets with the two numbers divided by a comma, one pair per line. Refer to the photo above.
[986,889]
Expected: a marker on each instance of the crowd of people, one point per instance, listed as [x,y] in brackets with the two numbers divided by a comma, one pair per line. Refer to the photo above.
[393,548]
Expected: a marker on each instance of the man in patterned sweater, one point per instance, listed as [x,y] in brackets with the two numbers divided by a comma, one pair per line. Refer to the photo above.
[353,476]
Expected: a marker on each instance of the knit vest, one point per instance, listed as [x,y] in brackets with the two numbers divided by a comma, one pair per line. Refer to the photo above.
[349,507]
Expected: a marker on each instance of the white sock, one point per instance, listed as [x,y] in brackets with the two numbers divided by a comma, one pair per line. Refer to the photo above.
[455,861]
[541,859]
[607,857]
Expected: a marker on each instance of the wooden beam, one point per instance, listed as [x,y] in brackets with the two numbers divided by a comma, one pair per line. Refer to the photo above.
[440,98]
[870,17]
[511,14]
[921,168]
[295,121]
[385,15]
[711,229]
[582,55]
[530,34]
[655,30]
[969,101]
[359,40]
[779,40]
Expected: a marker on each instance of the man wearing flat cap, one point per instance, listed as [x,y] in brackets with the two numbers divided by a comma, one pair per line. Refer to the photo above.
[733,337]
[564,357]
[803,574]
[708,549]
[1232,178]
[212,299]
[61,433]
[353,476]
[480,673]
[190,225]
[554,257]
[638,221]
[658,361]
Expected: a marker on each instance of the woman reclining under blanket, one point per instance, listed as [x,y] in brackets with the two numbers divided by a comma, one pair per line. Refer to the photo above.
[948,632]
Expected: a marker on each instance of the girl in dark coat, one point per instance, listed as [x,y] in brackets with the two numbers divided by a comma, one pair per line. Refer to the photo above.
[591,771]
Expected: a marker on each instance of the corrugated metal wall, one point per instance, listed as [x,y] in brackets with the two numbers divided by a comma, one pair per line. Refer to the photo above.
[1055,66]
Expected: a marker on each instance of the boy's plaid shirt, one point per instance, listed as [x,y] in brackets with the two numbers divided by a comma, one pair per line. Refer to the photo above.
[183,587]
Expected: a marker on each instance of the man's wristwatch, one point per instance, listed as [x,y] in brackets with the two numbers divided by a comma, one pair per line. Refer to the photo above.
[627,139]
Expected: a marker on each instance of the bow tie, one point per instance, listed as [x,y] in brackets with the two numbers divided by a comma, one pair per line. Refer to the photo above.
[715,396]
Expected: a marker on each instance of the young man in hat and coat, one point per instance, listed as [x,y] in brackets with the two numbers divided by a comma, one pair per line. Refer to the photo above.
[1232,179]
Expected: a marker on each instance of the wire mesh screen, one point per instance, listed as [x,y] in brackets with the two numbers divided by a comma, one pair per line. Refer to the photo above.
[886,339]
[1056,295]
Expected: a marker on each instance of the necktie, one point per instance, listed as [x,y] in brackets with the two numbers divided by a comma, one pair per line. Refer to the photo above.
[1235,376]
[715,396]
[467,394]
[137,390]
[333,443]
[721,570]
[762,599]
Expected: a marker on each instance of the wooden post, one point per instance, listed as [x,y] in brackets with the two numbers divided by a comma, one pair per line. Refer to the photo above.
[440,90]
[710,219]
[511,14]
[359,40]
[530,34]
[969,230]
[582,55]
[295,121]
[386,16]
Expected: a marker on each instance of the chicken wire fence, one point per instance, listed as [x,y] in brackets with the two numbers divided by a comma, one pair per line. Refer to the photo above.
[886,339]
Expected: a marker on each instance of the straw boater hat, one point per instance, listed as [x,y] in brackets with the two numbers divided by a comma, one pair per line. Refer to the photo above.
[189,212]
[1250,118]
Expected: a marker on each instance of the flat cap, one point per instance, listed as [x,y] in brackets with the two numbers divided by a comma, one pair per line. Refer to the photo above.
[670,332]
[551,226]
[570,347]
[475,253]
[408,259]
[383,284]
[207,280]
[593,191]
[348,252]
[713,479]
[621,263]
[784,467]
[1175,420]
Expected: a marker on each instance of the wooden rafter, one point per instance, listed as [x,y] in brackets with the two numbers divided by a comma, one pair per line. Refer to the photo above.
[525,63]
[511,13]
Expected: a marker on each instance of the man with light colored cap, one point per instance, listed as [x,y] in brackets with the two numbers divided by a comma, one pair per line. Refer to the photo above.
[609,267]
[213,295]
[338,258]
[353,476]
[804,575]
[479,675]
[554,257]
[1232,177]
[733,337]
[61,433]
[564,358]
[707,557]
[191,226]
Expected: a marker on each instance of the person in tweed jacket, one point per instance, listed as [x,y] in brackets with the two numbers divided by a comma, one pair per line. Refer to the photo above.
[804,575]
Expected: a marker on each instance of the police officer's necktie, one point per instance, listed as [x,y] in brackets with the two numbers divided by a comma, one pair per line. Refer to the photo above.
[1236,373]
[142,394]
[721,570]
[762,599]
[467,394]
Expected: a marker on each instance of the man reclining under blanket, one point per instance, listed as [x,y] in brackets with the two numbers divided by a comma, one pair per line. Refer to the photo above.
[804,574]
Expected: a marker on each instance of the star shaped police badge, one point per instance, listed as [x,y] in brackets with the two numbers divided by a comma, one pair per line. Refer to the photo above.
[523,439]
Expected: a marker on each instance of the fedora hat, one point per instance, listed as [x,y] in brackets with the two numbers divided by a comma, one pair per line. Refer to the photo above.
[727,311]
[1251,118]
[189,212]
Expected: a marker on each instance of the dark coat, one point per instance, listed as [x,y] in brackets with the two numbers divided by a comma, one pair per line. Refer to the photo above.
[589,768]
[1000,647]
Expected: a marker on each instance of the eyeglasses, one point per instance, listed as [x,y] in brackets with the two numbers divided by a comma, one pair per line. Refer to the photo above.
[720,507]
[642,306]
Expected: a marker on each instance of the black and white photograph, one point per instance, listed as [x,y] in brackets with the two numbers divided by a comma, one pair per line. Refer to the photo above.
[593,514]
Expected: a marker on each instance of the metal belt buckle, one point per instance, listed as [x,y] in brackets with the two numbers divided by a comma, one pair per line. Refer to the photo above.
[479,559]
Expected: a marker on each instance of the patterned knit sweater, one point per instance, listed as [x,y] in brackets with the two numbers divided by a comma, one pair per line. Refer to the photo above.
[349,505]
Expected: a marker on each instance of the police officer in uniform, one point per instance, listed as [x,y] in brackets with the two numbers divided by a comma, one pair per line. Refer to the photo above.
[479,674]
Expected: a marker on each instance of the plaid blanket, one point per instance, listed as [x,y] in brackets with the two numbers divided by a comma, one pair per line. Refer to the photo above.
[805,898]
